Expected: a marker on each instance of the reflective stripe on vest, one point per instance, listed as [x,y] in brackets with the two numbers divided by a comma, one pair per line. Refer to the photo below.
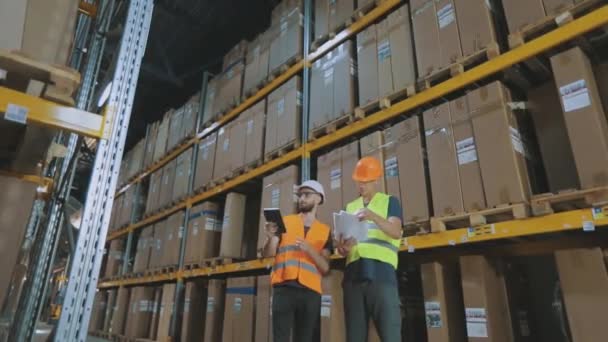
[378,245]
[291,263]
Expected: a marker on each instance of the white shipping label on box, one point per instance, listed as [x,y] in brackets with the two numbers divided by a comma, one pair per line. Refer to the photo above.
[180,233]
[466,150]
[384,50]
[195,228]
[328,76]
[249,127]
[144,306]
[335,177]
[275,197]
[516,141]
[326,306]
[210,223]
[391,167]
[16,113]
[187,305]
[433,314]
[210,304]
[575,96]
[226,222]
[237,305]
[477,322]
[446,15]
[299,98]
[226,144]
[524,325]
[281,107]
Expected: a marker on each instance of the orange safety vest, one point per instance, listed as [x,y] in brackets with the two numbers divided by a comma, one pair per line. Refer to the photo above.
[291,263]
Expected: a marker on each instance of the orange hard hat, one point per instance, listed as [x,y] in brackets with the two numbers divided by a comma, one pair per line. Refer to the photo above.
[368,169]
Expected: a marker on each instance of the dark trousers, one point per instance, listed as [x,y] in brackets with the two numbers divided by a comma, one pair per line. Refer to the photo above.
[372,300]
[298,309]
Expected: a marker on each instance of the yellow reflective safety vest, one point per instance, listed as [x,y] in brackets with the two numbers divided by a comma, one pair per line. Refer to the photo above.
[378,245]
[291,263]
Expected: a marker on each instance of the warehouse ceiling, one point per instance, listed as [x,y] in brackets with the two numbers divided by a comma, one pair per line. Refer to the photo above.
[186,38]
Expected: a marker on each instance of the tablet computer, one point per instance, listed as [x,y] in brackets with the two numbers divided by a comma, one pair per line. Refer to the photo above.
[274,215]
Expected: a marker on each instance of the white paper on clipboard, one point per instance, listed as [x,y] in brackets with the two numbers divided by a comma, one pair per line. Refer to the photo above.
[348,226]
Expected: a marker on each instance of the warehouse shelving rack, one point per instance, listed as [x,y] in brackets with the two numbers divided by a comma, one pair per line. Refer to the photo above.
[588,220]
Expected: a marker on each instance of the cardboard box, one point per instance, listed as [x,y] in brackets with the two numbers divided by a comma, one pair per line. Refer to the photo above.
[137,160]
[329,173]
[404,169]
[345,69]
[344,12]
[121,308]
[236,54]
[152,132]
[154,191]
[109,313]
[284,116]
[214,316]
[443,161]
[426,36]
[333,326]
[321,22]
[350,157]
[174,232]
[403,63]
[205,161]
[115,258]
[162,137]
[194,311]
[523,13]
[367,58]
[385,72]
[239,310]
[175,129]
[210,107]
[99,310]
[476,25]
[256,70]
[181,183]
[144,247]
[584,116]
[204,233]
[230,87]
[237,144]
[371,146]
[500,146]
[158,245]
[443,302]
[520,301]
[158,296]
[165,196]
[287,41]
[469,170]
[233,225]
[222,152]
[552,135]
[167,309]
[449,36]
[263,310]
[584,282]
[485,300]
[190,118]
[140,312]
[254,123]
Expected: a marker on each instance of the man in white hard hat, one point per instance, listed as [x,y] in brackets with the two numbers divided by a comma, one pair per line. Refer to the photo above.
[301,259]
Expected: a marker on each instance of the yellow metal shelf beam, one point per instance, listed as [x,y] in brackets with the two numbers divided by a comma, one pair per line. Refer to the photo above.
[35,179]
[46,113]
[382,9]
[590,219]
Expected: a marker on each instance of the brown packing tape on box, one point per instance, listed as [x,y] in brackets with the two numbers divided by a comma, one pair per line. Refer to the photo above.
[214,316]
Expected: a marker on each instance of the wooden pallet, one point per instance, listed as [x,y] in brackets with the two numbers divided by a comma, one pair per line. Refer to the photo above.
[550,203]
[244,169]
[334,125]
[281,151]
[361,12]
[482,217]
[254,90]
[283,68]
[193,266]
[316,44]
[219,261]
[52,82]
[550,23]
[385,102]
[416,228]
[463,64]
[162,270]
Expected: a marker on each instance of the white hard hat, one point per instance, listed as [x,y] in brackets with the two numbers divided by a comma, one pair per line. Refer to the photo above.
[314,185]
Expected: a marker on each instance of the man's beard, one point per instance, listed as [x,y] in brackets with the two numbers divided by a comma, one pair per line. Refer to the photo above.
[305,209]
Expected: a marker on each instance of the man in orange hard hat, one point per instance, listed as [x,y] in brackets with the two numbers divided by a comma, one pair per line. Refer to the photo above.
[301,259]
[370,280]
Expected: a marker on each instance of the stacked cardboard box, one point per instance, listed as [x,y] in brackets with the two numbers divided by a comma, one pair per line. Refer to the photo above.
[183,168]
[263,310]
[175,126]
[167,309]
[284,116]
[191,114]
[584,282]
[115,258]
[99,311]
[109,313]
[447,30]
[194,311]
[239,310]
[158,296]
[174,232]
[153,198]
[585,117]
[333,86]
[233,226]
[144,247]
[386,57]
[158,242]
[204,233]
[443,302]
[330,15]
[214,316]
[121,308]
[210,100]
[162,137]
[286,33]
[332,308]
[257,61]
[371,145]
[165,196]
[277,192]
[205,161]
[485,300]
[521,14]
[152,132]
[223,161]
[254,122]
[140,312]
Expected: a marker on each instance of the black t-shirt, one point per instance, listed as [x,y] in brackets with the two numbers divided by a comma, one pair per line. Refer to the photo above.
[369,269]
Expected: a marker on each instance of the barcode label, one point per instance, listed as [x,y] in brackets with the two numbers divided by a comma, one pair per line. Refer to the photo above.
[16,113]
